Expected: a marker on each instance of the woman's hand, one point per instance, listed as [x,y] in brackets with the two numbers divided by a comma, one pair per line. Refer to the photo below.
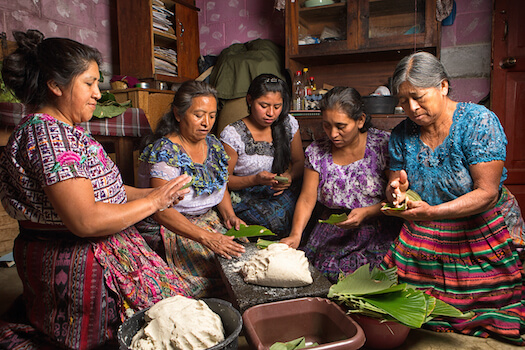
[233,221]
[265,178]
[292,241]
[223,245]
[279,187]
[416,211]
[396,190]
[355,219]
[170,193]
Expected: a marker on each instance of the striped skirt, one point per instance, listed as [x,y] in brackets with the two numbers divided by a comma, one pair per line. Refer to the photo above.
[469,263]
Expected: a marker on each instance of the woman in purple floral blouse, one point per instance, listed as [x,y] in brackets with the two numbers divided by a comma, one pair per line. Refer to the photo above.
[345,172]
[83,265]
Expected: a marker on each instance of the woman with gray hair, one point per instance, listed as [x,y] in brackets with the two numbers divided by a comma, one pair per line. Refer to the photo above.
[459,241]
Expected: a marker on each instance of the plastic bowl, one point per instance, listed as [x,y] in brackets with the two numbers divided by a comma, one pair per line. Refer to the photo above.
[382,335]
[319,320]
[379,104]
[231,320]
[314,3]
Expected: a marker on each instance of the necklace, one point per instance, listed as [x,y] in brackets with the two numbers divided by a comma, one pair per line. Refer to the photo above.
[197,155]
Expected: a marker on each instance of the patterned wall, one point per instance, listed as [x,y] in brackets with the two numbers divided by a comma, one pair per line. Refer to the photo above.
[87,21]
[465,44]
[226,22]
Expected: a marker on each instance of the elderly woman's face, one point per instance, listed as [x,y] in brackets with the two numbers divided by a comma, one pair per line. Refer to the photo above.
[198,120]
[423,105]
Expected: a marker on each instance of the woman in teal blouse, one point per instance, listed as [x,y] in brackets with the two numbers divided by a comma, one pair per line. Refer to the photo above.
[458,242]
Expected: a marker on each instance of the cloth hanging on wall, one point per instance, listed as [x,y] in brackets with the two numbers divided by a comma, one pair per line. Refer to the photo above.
[239,64]
[443,9]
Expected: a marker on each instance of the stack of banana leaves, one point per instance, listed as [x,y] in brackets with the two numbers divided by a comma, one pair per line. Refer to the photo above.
[108,107]
[377,294]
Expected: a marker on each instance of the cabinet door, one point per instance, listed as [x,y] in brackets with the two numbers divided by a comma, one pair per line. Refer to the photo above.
[144,48]
[186,24]
[338,27]
[135,38]
[315,29]
[401,24]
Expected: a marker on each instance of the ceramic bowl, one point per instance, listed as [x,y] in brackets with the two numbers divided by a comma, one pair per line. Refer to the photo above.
[382,334]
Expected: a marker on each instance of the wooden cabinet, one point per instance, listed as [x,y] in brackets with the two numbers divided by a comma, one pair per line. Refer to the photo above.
[311,126]
[138,38]
[358,42]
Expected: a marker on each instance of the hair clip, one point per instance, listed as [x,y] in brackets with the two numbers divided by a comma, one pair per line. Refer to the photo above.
[272,80]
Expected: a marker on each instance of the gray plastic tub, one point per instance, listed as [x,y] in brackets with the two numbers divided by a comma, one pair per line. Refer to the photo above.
[231,320]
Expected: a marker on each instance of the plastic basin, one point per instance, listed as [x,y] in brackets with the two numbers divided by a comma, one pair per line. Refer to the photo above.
[319,320]
[231,320]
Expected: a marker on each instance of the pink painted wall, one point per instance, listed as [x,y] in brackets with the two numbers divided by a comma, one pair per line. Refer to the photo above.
[226,22]
[87,21]
[465,45]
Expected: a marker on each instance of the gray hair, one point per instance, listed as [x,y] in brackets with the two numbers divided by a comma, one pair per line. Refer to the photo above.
[421,69]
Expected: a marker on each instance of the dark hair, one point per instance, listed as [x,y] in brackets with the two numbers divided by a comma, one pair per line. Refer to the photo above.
[260,86]
[181,103]
[349,101]
[37,60]
[421,69]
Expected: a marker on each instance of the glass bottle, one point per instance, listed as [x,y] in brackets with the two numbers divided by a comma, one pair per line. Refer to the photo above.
[298,92]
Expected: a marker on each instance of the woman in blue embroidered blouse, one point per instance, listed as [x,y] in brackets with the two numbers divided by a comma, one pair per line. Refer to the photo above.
[459,241]
[191,231]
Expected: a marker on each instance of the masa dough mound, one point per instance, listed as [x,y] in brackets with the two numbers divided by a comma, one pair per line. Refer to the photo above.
[179,323]
[278,266]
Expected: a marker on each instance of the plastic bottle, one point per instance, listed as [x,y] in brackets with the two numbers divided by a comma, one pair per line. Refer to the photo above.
[306,82]
[312,101]
[312,85]
[298,92]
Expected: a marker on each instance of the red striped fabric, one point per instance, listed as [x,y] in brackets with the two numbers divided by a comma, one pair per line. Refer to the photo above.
[133,122]
[470,264]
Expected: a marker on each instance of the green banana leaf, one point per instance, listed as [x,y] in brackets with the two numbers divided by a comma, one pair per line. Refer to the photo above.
[377,294]
[335,218]
[188,184]
[281,179]
[299,343]
[263,243]
[408,306]
[363,281]
[108,107]
[410,194]
[447,310]
[249,231]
